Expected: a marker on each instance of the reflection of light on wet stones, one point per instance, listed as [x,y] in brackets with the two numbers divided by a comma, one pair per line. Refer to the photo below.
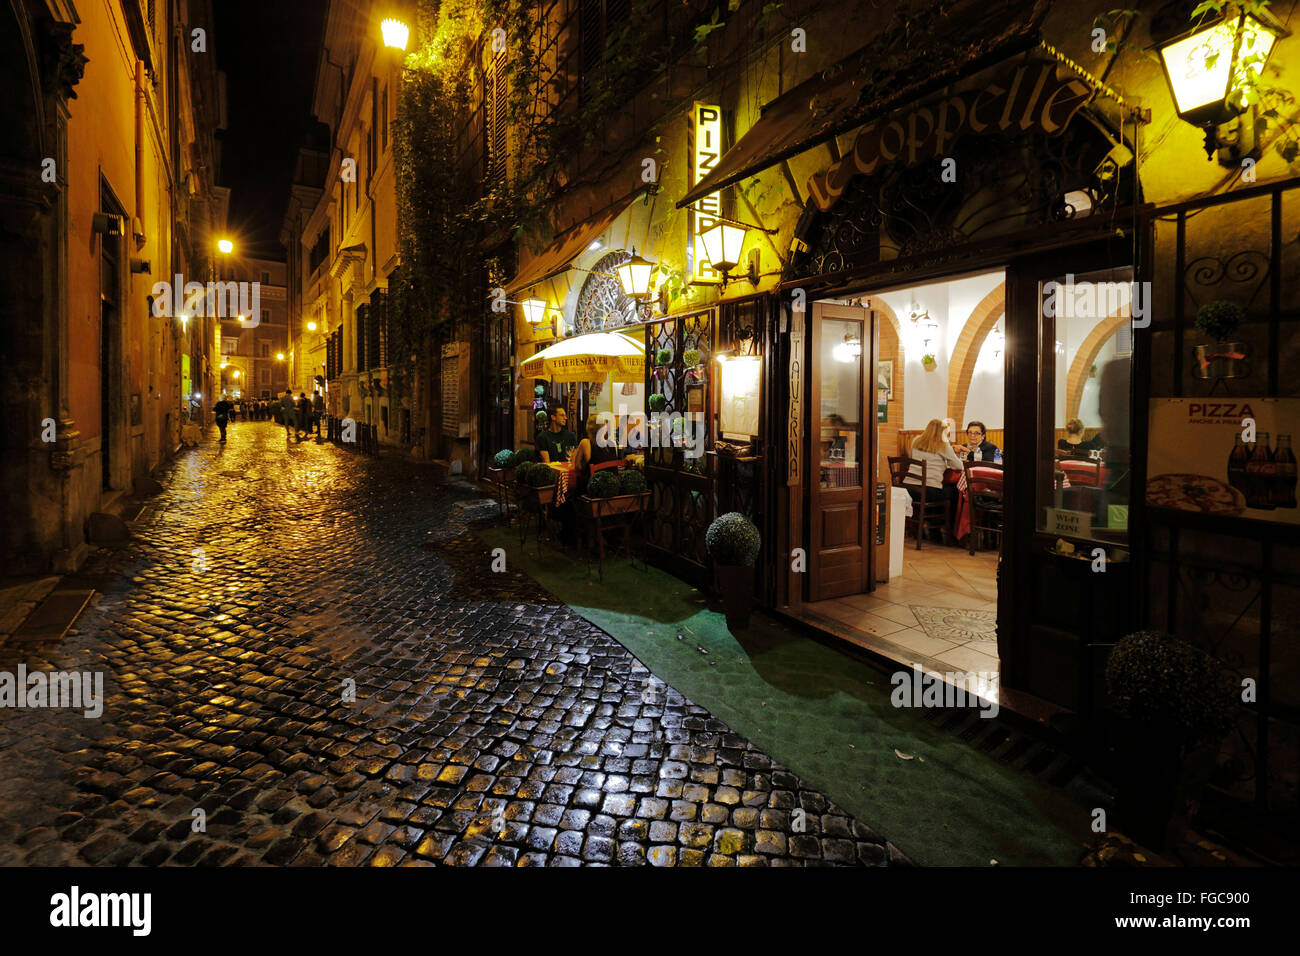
[556,668]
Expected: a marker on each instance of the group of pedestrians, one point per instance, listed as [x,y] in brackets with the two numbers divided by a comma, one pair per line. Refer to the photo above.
[298,415]
[301,413]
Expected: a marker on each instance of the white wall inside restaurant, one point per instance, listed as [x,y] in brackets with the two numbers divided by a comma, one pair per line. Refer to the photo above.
[985,398]
[950,304]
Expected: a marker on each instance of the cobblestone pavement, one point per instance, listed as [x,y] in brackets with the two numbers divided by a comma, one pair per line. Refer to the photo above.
[490,725]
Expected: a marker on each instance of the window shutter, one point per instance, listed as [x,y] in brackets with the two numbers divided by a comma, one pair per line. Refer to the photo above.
[495,100]
[361,337]
[372,336]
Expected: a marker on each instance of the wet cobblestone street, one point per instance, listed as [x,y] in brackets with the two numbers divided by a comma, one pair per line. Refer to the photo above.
[490,725]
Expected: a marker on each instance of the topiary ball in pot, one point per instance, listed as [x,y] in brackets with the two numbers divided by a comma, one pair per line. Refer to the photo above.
[664,357]
[542,475]
[522,470]
[732,539]
[1219,319]
[631,482]
[1171,687]
[503,458]
[603,484]
[733,543]
[657,402]
[522,456]
[1178,702]
[691,357]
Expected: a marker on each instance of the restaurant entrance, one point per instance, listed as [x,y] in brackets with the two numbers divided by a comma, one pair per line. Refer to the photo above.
[905,413]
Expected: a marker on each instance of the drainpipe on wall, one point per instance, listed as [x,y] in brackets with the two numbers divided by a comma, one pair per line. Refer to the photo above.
[138,225]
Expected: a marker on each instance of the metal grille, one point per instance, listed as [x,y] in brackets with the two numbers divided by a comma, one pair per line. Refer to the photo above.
[1229,585]
[681,486]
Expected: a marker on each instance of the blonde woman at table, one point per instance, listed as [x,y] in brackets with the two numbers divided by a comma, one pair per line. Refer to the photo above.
[938,455]
[596,448]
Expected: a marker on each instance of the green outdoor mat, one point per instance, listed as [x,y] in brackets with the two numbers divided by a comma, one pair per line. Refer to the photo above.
[825,715]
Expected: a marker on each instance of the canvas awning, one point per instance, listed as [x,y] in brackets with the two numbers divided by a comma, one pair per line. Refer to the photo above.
[566,247]
[895,69]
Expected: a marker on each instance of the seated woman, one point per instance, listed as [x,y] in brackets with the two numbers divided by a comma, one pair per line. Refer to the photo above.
[978,447]
[597,448]
[938,455]
[1074,444]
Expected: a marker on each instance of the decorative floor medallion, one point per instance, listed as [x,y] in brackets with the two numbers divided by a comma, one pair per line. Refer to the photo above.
[958,624]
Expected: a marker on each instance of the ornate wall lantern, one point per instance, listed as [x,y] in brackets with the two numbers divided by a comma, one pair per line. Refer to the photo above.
[1213,68]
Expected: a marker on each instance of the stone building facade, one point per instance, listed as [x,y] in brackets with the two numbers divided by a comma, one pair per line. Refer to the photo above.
[108,188]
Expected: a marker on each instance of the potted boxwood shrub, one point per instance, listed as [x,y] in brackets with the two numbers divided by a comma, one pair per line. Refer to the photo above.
[609,493]
[657,402]
[928,362]
[733,543]
[1177,703]
[1219,320]
[502,469]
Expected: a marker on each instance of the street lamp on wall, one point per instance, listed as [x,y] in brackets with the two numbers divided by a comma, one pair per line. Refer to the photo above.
[723,245]
[225,246]
[1213,70]
[634,276]
[534,311]
[395,33]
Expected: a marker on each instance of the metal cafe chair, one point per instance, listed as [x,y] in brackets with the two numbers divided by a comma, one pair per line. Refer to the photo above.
[924,512]
[984,497]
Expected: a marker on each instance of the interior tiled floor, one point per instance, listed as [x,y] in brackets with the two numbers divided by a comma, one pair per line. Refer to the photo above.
[934,578]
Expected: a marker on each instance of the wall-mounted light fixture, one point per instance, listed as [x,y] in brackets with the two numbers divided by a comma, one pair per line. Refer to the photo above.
[396,33]
[534,311]
[1212,71]
[723,244]
[634,275]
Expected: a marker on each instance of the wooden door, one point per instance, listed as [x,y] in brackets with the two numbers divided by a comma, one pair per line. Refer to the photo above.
[841,451]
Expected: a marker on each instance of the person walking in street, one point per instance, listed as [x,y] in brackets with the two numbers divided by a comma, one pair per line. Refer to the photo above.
[223,409]
[317,409]
[286,411]
[303,424]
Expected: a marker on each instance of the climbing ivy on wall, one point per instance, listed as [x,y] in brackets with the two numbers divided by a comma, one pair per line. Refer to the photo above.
[449,219]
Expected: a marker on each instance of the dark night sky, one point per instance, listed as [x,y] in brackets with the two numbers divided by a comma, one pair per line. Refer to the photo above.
[268,50]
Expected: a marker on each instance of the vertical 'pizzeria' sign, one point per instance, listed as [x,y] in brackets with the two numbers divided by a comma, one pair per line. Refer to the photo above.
[705,212]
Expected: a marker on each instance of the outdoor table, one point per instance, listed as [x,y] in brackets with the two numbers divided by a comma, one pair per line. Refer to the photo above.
[567,478]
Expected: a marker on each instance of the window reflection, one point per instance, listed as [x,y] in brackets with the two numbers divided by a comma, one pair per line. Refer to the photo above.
[1086,322]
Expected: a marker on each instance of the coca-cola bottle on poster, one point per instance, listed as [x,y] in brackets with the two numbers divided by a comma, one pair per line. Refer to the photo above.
[1237,465]
[1285,480]
[1260,472]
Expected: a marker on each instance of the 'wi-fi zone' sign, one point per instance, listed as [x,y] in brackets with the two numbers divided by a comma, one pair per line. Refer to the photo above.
[705,212]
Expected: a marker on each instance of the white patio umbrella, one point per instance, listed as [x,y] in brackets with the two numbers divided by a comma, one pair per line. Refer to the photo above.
[589,358]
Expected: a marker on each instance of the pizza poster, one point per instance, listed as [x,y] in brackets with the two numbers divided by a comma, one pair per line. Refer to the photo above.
[1228,457]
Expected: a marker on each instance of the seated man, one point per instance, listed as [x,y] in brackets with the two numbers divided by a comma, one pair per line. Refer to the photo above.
[556,443]
[978,447]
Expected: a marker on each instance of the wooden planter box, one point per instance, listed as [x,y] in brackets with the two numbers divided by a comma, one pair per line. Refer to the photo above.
[534,498]
[501,476]
[617,505]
